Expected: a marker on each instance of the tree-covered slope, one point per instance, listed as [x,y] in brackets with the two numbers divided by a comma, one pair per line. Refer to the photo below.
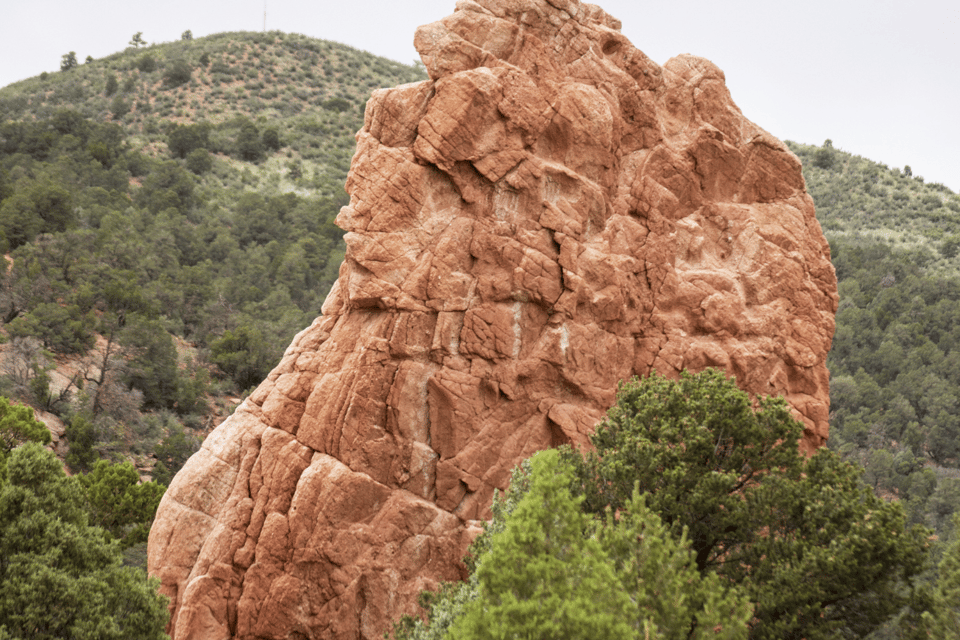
[167,215]
[863,201]
[895,361]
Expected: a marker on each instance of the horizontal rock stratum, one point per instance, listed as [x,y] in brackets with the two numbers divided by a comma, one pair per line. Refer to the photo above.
[550,213]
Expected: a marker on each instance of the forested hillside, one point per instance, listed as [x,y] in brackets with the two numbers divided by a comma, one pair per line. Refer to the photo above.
[895,362]
[167,219]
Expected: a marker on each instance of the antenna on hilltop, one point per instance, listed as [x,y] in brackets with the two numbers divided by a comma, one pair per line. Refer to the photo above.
[264,15]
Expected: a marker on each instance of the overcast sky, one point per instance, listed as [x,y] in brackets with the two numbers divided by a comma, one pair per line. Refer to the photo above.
[881,78]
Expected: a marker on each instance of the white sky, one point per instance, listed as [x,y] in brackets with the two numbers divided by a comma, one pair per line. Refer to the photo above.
[881,78]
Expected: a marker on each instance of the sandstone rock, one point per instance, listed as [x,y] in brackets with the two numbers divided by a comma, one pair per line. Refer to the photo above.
[550,213]
[57,431]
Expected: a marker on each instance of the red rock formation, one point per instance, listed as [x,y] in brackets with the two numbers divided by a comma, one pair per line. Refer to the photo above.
[550,213]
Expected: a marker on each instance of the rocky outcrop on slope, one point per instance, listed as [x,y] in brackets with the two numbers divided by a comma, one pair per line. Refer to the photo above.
[550,213]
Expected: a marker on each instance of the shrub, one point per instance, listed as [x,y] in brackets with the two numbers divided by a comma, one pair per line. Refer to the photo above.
[199,161]
[177,73]
[147,63]
[111,86]
[59,576]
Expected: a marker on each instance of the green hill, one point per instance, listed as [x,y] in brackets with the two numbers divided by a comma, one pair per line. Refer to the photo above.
[167,214]
[863,202]
[311,92]
[895,361]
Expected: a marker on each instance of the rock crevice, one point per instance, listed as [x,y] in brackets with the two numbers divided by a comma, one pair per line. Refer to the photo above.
[550,213]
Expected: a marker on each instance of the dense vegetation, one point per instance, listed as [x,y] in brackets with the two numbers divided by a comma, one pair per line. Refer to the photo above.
[61,574]
[866,202]
[895,362]
[694,517]
[307,95]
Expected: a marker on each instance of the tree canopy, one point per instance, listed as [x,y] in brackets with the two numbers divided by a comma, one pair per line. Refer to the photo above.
[59,576]
[819,554]
[119,503]
[559,581]
[544,568]
[17,427]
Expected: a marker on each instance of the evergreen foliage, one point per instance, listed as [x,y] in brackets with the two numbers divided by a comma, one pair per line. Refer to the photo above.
[895,364]
[82,436]
[942,619]
[147,63]
[17,427]
[178,72]
[867,203]
[712,521]
[68,61]
[544,568]
[757,512]
[173,452]
[59,576]
[111,85]
[658,571]
[241,354]
[119,503]
[184,139]
[559,583]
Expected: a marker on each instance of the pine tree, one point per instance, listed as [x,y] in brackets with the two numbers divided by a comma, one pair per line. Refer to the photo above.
[59,577]
[17,427]
[674,601]
[818,553]
[68,61]
[942,620]
[543,578]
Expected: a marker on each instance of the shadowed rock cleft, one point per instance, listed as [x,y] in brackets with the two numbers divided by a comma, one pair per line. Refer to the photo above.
[550,213]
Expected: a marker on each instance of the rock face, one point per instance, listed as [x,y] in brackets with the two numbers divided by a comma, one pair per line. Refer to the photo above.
[550,213]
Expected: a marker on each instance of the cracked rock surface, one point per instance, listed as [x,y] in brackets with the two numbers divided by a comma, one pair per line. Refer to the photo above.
[550,213]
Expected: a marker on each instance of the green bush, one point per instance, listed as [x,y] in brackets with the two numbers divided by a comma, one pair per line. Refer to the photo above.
[119,107]
[183,139]
[147,63]
[199,161]
[63,329]
[242,355]
[173,452]
[552,573]
[271,139]
[119,503]
[249,144]
[17,427]
[815,549]
[151,361]
[177,73]
[81,437]
[111,85]
[59,577]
